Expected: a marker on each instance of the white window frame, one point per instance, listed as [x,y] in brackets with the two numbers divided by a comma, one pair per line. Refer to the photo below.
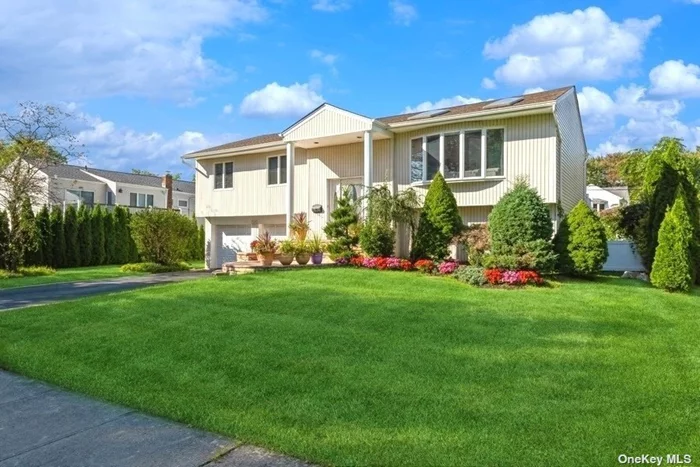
[145,200]
[223,175]
[279,169]
[181,205]
[462,148]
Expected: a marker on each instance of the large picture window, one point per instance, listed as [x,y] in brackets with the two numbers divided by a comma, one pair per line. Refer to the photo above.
[464,155]
[140,200]
[277,170]
[223,175]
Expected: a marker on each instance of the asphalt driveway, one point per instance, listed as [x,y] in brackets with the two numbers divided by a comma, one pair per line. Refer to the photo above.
[44,426]
[41,294]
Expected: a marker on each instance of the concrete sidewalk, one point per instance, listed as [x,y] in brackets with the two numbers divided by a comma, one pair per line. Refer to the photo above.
[42,294]
[44,426]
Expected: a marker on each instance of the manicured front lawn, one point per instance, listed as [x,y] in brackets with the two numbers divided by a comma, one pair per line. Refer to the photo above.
[75,274]
[358,367]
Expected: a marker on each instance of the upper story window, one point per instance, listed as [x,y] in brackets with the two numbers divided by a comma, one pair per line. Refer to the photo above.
[83,197]
[182,203]
[276,170]
[458,155]
[140,200]
[223,175]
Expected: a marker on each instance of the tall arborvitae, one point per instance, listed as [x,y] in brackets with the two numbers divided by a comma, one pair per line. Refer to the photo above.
[108,223]
[70,232]
[98,235]
[4,237]
[26,239]
[84,236]
[133,249]
[121,235]
[58,257]
[44,251]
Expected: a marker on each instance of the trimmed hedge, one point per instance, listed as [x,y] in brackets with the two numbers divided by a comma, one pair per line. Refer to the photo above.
[581,242]
[155,268]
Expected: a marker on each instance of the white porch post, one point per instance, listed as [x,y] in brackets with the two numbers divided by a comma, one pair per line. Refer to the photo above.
[368,163]
[290,185]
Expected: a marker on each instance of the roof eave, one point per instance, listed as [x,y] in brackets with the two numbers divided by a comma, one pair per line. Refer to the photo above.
[230,151]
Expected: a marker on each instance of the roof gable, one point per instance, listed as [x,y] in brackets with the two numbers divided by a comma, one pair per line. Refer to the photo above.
[326,120]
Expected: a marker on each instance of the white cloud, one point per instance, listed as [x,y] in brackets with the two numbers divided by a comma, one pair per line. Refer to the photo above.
[488,83]
[674,78]
[326,59]
[442,103]
[568,47]
[403,13]
[597,110]
[250,69]
[275,100]
[104,48]
[228,108]
[533,90]
[109,146]
[330,6]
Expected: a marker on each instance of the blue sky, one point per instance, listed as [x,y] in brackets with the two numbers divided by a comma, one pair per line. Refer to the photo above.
[153,79]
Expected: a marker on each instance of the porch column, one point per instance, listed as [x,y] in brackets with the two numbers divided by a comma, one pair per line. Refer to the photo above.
[289,202]
[368,163]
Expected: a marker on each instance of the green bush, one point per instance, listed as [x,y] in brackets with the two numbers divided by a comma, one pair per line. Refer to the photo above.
[581,242]
[536,255]
[672,269]
[477,241]
[438,224]
[70,232]
[473,275]
[26,238]
[155,268]
[58,236]
[110,237]
[27,271]
[84,236]
[520,216]
[4,237]
[611,220]
[162,236]
[341,229]
[122,240]
[44,252]
[99,255]
[377,239]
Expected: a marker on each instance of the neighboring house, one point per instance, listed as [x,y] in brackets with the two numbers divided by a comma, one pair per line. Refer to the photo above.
[600,199]
[256,184]
[70,184]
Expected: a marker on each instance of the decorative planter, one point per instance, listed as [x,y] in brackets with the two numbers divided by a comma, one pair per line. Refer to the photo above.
[251,257]
[303,258]
[317,258]
[285,259]
[266,258]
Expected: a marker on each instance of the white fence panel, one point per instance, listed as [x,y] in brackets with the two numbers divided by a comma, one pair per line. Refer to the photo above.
[623,257]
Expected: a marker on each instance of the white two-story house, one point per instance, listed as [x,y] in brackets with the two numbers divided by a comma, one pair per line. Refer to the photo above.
[256,184]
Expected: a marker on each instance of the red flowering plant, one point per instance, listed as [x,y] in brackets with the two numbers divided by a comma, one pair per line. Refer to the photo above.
[425,266]
[529,277]
[493,276]
[356,261]
[405,265]
[381,263]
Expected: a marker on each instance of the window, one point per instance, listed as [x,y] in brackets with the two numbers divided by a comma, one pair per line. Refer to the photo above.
[223,175]
[182,203]
[110,198]
[83,197]
[276,170]
[467,154]
[140,200]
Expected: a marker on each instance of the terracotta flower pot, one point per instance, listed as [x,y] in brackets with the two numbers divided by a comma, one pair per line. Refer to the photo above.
[303,258]
[317,258]
[266,258]
[285,259]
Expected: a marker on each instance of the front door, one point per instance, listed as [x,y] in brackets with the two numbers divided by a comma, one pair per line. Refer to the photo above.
[335,190]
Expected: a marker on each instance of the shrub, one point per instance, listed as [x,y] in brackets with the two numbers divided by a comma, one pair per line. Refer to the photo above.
[99,254]
[35,271]
[426,266]
[110,237]
[438,224]
[340,230]
[473,275]
[4,237]
[520,216]
[611,220]
[535,255]
[477,242]
[84,236]
[377,239]
[581,242]
[44,252]
[672,269]
[59,239]
[447,267]
[161,235]
[155,268]
[357,261]
[25,239]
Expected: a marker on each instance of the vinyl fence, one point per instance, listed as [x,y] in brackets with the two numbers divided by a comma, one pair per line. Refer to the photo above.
[623,257]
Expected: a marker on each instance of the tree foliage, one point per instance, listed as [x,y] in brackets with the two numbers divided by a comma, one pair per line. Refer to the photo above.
[4,237]
[673,269]
[58,237]
[70,234]
[45,247]
[439,222]
[581,242]
[24,238]
[84,236]
[110,237]
[341,230]
[97,222]
[162,236]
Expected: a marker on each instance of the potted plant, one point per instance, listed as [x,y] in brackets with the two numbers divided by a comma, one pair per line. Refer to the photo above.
[286,254]
[302,252]
[317,247]
[252,256]
[299,226]
[265,248]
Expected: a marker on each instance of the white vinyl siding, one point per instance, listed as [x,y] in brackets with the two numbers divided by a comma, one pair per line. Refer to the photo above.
[328,121]
[572,149]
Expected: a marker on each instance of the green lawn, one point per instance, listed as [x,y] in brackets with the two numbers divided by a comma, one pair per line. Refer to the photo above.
[74,274]
[358,367]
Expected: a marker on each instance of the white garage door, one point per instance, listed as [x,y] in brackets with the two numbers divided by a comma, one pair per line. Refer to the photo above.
[234,239]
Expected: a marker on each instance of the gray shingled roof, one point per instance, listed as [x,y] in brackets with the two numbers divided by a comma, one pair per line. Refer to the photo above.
[528,99]
[78,173]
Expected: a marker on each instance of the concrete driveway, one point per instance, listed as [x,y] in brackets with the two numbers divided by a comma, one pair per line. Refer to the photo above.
[41,294]
[44,426]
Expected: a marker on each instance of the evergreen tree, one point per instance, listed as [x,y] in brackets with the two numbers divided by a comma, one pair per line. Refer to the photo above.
[110,238]
[121,236]
[673,269]
[44,252]
[439,222]
[70,233]
[341,229]
[581,242]
[84,236]
[133,249]
[202,243]
[4,237]
[26,239]
[98,235]
[58,257]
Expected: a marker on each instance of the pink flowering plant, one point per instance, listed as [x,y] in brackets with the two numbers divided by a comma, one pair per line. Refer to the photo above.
[447,267]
